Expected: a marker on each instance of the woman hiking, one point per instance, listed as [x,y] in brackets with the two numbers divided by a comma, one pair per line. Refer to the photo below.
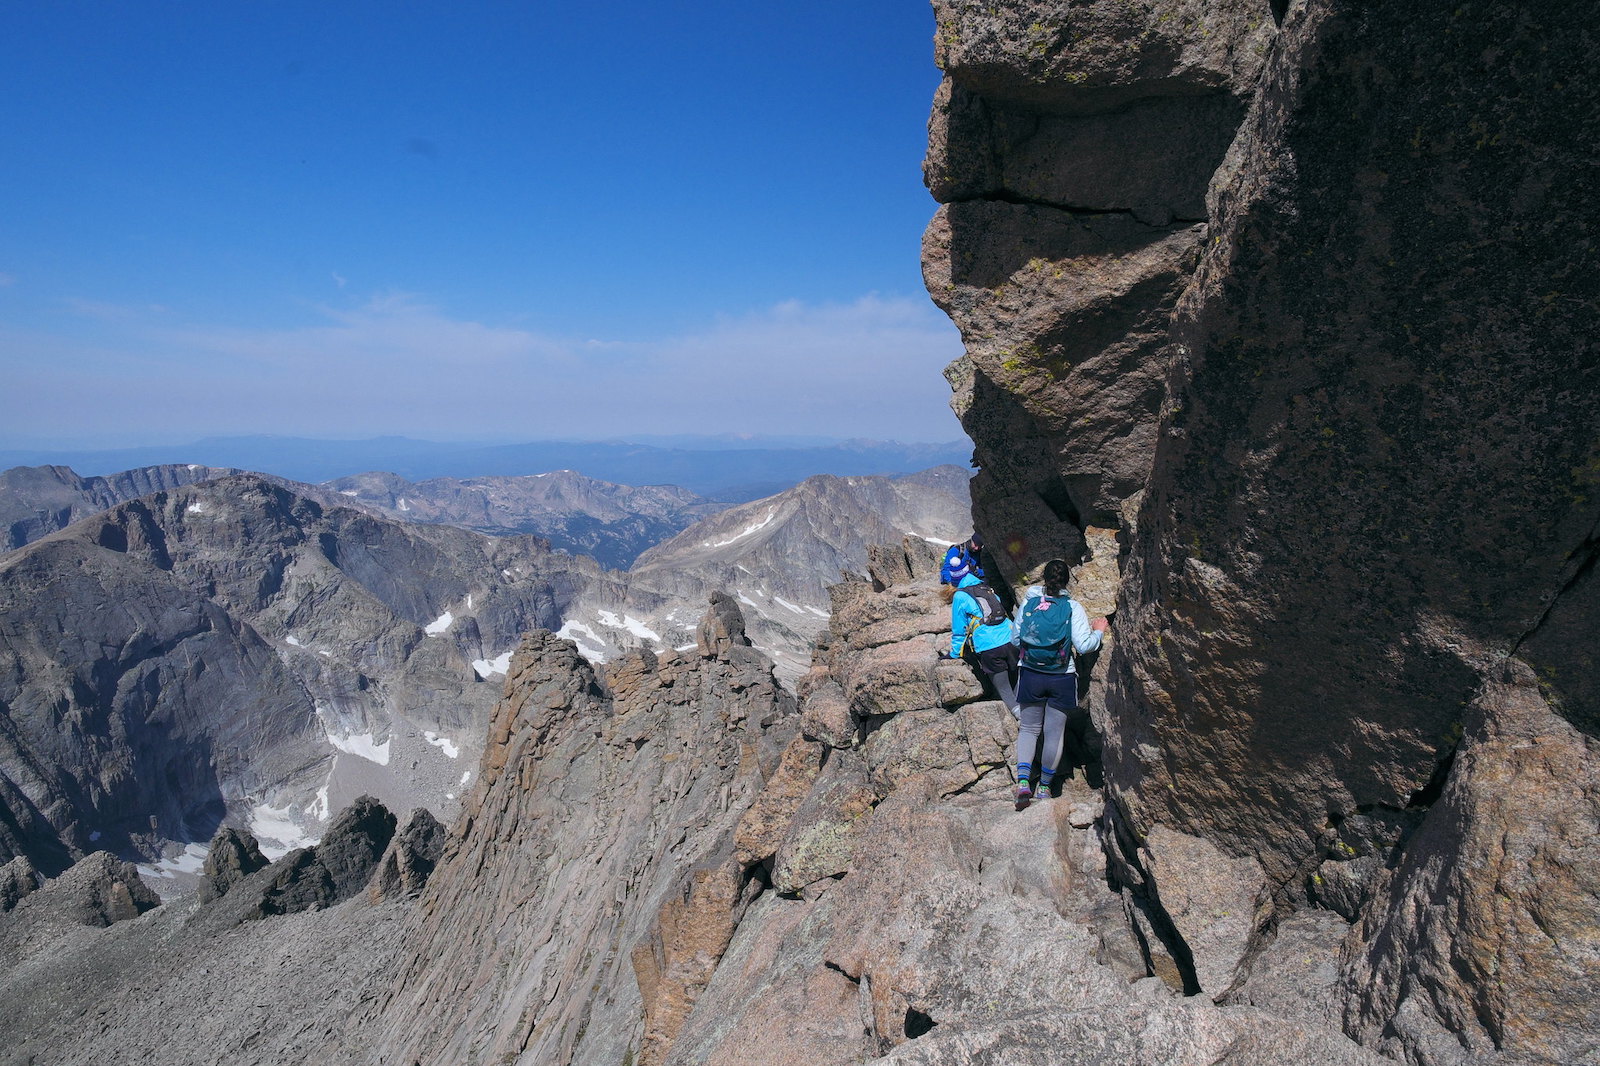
[972,606]
[1051,629]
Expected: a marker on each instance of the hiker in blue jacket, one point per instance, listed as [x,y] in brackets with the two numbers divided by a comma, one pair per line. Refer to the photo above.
[1051,629]
[961,561]
[992,644]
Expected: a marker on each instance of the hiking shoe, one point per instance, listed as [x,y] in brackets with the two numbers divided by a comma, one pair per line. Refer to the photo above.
[1024,795]
[1041,792]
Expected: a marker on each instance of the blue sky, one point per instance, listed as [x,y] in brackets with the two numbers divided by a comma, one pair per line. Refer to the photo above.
[465,220]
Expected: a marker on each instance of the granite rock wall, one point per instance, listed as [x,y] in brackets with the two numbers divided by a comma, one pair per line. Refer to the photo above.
[1344,418]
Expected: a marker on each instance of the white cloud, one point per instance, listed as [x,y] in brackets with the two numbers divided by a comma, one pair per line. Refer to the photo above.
[396,364]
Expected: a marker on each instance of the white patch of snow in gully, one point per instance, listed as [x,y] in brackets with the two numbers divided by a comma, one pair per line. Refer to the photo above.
[440,624]
[445,744]
[192,861]
[277,832]
[196,508]
[293,640]
[592,649]
[744,532]
[402,505]
[319,806]
[500,664]
[348,492]
[631,624]
[747,601]
[361,745]
[795,607]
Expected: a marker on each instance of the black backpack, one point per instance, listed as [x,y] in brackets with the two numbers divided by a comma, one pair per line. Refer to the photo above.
[994,611]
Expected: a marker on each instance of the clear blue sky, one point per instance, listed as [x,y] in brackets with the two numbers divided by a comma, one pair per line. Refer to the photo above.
[465,220]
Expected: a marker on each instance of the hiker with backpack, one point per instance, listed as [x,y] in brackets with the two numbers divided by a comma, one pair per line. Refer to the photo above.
[978,621]
[1051,629]
[961,561]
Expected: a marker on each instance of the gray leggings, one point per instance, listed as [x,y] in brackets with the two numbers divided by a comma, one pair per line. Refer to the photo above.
[1052,722]
[1044,700]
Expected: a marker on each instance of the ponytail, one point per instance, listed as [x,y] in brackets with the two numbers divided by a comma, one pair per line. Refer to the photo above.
[1057,575]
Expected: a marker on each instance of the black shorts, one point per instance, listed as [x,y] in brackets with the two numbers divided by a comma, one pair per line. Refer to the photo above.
[1053,690]
[998,660]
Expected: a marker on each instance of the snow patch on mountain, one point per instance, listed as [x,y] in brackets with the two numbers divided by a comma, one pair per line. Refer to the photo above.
[500,664]
[590,644]
[440,624]
[190,861]
[630,623]
[445,744]
[363,746]
[277,832]
[747,531]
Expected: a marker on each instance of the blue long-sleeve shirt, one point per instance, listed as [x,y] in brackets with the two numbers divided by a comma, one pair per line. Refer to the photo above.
[963,611]
[1085,638]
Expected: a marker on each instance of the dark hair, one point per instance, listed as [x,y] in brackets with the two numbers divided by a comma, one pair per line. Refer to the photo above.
[1056,576]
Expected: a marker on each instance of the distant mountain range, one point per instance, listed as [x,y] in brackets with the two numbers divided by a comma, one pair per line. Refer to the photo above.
[730,470]
[184,645]
[776,556]
[232,649]
[610,523]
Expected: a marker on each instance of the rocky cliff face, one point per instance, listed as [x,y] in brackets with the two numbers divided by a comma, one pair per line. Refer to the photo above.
[1343,419]
[36,500]
[592,883]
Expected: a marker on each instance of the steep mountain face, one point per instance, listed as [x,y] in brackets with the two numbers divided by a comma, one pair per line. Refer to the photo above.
[232,648]
[610,523]
[593,883]
[1343,422]
[776,556]
[36,500]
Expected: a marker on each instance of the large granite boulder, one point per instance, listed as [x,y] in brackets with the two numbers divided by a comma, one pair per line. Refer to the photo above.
[1324,360]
